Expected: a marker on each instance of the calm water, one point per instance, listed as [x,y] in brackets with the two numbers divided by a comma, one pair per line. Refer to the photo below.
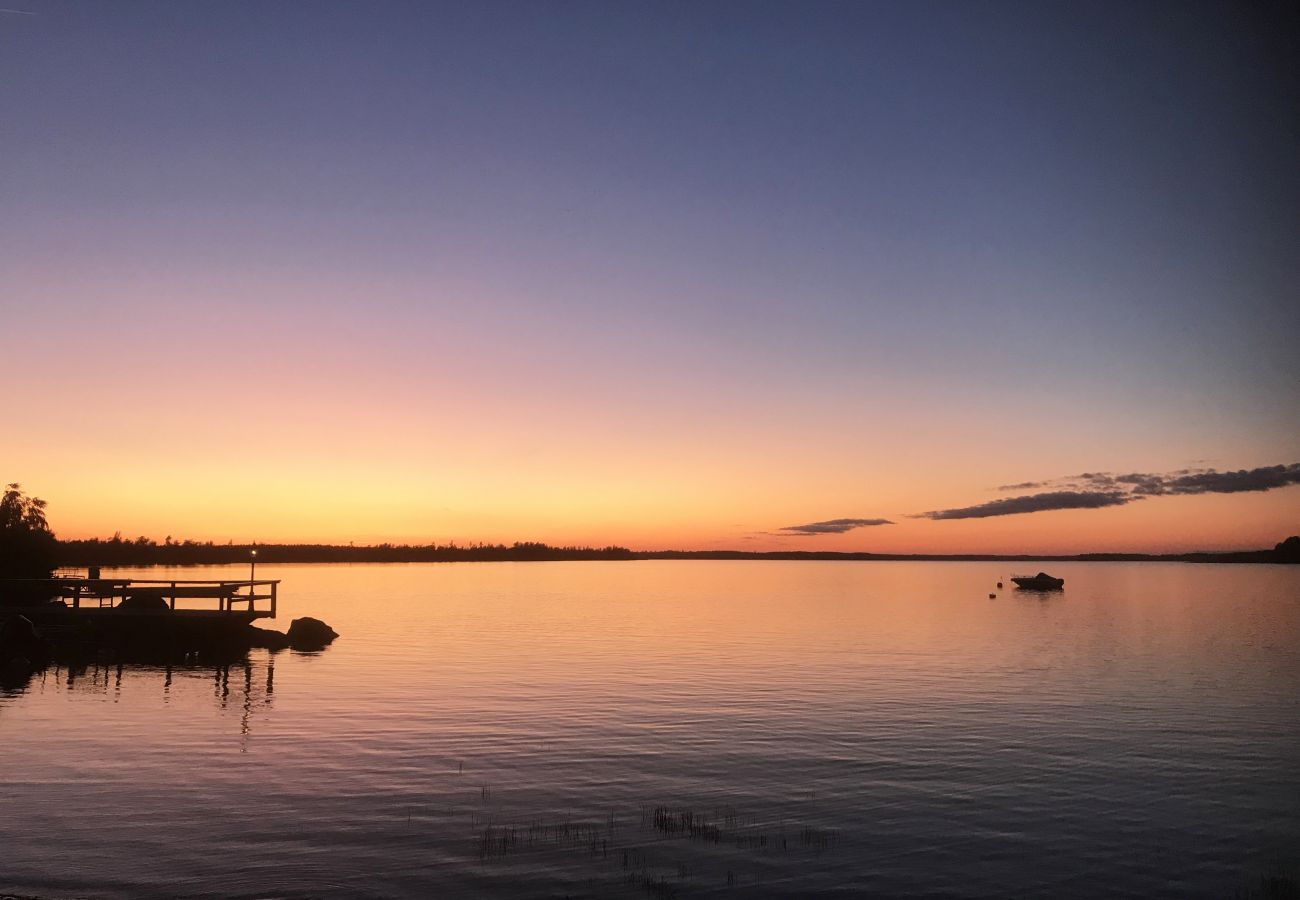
[659,729]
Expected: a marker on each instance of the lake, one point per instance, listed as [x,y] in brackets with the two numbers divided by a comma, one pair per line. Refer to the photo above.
[684,729]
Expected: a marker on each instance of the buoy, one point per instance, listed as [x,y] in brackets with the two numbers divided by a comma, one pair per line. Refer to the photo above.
[993,596]
[999,584]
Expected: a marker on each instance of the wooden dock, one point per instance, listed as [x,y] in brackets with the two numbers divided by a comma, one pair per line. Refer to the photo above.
[244,600]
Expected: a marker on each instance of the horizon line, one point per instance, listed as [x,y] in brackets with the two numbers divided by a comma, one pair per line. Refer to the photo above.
[539,549]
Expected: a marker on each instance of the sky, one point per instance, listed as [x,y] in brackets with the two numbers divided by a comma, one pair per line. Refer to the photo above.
[820,276]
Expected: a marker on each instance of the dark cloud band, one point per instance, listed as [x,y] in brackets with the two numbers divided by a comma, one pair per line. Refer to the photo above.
[1011,506]
[1208,481]
[833,526]
[1187,481]
[1095,490]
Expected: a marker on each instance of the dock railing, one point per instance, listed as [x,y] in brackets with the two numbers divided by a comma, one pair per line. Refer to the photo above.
[241,596]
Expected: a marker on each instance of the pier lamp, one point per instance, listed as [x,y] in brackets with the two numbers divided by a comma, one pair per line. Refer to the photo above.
[252,567]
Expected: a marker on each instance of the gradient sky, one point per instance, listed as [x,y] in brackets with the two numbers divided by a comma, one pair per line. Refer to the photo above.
[662,275]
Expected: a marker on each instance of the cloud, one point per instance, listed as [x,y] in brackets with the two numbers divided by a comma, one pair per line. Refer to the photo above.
[1209,481]
[1095,490]
[1012,506]
[832,526]
[1196,481]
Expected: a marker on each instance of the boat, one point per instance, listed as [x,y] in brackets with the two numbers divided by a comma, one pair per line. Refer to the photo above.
[1040,582]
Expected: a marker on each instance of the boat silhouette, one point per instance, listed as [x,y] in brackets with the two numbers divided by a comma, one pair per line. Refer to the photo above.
[1040,582]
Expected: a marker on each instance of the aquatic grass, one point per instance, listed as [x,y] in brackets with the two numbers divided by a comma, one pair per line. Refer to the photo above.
[1272,887]
[726,826]
[646,856]
[818,840]
[657,886]
[687,822]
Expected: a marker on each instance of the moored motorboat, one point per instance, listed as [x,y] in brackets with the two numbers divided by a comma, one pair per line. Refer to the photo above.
[1040,582]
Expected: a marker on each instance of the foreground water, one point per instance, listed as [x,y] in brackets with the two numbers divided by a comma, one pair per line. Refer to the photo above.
[660,729]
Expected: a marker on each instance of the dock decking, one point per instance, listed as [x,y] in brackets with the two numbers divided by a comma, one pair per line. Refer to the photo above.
[191,599]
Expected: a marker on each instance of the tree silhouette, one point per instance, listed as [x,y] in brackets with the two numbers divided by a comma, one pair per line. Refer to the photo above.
[27,546]
[1288,551]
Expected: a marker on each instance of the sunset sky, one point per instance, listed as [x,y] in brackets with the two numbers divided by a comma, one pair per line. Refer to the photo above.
[669,275]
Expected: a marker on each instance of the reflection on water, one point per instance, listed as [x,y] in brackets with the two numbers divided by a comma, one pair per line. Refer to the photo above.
[686,729]
[243,688]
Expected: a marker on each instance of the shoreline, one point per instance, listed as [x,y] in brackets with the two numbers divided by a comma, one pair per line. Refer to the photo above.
[117,553]
[268,554]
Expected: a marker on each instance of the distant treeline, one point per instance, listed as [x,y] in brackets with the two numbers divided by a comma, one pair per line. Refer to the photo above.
[142,551]
[1276,555]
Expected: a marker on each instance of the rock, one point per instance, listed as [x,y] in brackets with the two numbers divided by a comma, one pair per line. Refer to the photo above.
[16,670]
[310,634]
[18,633]
[267,638]
[145,602]
[22,650]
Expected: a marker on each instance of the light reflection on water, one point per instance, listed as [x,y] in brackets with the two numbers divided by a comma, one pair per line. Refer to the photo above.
[685,729]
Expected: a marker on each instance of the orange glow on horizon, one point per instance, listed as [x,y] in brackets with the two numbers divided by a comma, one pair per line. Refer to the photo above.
[704,514]
[323,441]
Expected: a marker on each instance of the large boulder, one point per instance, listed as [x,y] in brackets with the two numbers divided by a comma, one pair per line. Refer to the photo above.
[310,634]
[267,638]
[22,649]
[18,635]
[145,602]
[15,672]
